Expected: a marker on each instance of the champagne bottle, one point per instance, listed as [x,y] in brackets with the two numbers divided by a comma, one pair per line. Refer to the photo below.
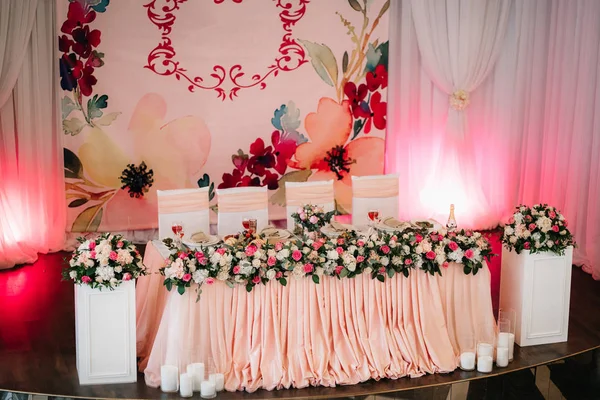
[451,224]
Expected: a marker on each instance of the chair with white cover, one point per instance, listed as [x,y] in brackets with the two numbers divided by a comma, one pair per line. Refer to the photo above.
[297,194]
[235,204]
[377,192]
[189,206]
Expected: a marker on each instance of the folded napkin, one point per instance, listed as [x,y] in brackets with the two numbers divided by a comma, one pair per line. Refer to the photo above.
[270,231]
[393,222]
[200,237]
[336,226]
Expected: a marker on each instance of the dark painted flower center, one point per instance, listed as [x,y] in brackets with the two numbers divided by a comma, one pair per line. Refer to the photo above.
[338,161]
[137,179]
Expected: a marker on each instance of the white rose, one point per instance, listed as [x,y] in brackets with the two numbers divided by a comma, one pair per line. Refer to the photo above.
[319,271]
[385,261]
[513,239]
[99,279]
[283,254]
[73,274]
[351,266]
[333,255]
[396,260]
[544,223]
[256,263]
[368,270]
[508,230]
[271,274]
[118,269]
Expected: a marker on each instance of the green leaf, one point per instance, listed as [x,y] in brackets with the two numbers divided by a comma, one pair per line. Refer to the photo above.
[73,166]
[249,287]
[88,220]
[72,126]
[323,61]
[380,278]
[466,270]
[315,278]
[295,176]
[67,106]
[355,5]
[405,272]
[107,119]
[95,106]
[383,48]
[345,62]
[283,281]
[77,202]
[344,273]
[391,272]
[180,289]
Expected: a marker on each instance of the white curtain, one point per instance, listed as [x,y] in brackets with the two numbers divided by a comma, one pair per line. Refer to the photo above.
[533,126]
[32,201]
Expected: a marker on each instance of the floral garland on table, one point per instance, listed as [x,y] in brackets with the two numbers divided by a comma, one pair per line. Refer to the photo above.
[251,260]
[106,261]
[537,229]
[311,217]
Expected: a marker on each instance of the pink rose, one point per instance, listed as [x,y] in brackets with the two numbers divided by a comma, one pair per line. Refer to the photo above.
[360,259]
[313,219]
[296,255]
[302,216]
[552,214]
[469,233]
[209,281]
[408,261]
[419,238]
[203,260]
[394,238]
[198,255]
[278,275]
[86,279]
[339,250]
[236,269]
[453,246]
[451,234]
[528,218]
[531,227]
[220,250]
[440,237]
[182,255]
[92,245]
[119,244]
[386,249]
[126,276]
[511,220]
[271,261]
[92,254]
[113,255]
[256,280]
[555,228]
[469,253]
[434,237]
[317,245]
[308,268]
[430,255]
[382,270]
[445,264]
[360,243]
[338,269]
[565,223]
[278,246]
[187,277]
[250,250]
[340,241]
[527,245]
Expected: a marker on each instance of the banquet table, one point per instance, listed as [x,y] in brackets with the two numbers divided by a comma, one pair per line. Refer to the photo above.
[338,332]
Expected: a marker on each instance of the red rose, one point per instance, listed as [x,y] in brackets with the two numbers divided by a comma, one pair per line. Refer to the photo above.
[308,268]
[453,246]
[256,280]
[469,253]
[531,227]
[187,277]
[555,228]
[338,269]
[527,246]
[430,255]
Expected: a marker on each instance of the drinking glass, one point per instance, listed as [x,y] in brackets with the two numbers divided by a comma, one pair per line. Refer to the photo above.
[252,225]
[373,215]
[246,223]
[177,228]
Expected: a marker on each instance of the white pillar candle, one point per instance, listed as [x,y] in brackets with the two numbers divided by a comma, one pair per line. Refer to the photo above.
[219,382]
[208,390]
[503,339]
[502,356]
[196,370]
[467,361]
[511,346]
[186,388]
[485,363]
[485,349]
[168,378]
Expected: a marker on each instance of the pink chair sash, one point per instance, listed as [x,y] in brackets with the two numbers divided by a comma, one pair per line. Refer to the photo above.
[376,188]
[308,194]
[185,202]
[240,202]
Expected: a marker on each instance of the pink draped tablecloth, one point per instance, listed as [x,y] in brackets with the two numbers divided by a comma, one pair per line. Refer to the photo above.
[337,332]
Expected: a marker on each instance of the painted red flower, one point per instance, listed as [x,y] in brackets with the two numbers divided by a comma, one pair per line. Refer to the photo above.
[377,79]
[284,149]
[262,158]
[86,81]
[378,113]
[356,96]
[64,44]
[77,16]
[270,180]
[85,40]
[237,179]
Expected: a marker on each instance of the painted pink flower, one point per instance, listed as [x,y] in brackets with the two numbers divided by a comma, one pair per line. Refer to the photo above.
[360,259]
[408,261]
[271,261]
[382,270]
[120,244]
[419,238]
[220,250]
[469,253]
[453,246]
[187,277]
[236,269]
[445,264]
[531,227]
[339,250]
[92,245]
[92,254]
[338,269]
[113,255]
[385,249]
[278,275]
[278,246]
[209,281]
[431,255]
[296,255]
[86,279]
[308,268]
[250,250]
[256,280]
[555,228]
[527,245]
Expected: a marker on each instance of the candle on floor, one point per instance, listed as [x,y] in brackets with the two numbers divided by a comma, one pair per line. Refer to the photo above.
[485,363]
[219,382]
[511,346]
[502,356]
[186,388]
[196,370]
[169,375]
[485,349]
[208,390]
[467,361]
[503,339]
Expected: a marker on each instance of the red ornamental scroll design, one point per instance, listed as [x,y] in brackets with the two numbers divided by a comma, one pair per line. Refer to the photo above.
[162,59]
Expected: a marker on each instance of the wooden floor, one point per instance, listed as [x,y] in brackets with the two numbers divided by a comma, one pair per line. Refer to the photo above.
[37,343]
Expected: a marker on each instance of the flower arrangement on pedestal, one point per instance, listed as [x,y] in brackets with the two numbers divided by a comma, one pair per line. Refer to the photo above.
[311,218]
[104,262]
[537,229]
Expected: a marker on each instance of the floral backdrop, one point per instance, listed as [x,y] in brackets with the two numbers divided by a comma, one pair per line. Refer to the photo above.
[167,94]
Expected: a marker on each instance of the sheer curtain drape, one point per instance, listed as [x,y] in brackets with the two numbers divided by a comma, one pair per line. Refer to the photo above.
[533,123]
[32,205]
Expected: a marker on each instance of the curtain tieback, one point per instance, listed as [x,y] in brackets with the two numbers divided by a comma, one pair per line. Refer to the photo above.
[459,100]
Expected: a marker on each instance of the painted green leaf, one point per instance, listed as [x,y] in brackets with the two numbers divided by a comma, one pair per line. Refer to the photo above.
[295,176]
[383,48]
[355,5]
[77,202]
[345,62]
[99,5]
[107,119]
[72,126]
[96,104]
[67,106]
[358,125]
[384,9]
[373,55]
[323,61]
[73,166]
[204,182]
[89,219]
